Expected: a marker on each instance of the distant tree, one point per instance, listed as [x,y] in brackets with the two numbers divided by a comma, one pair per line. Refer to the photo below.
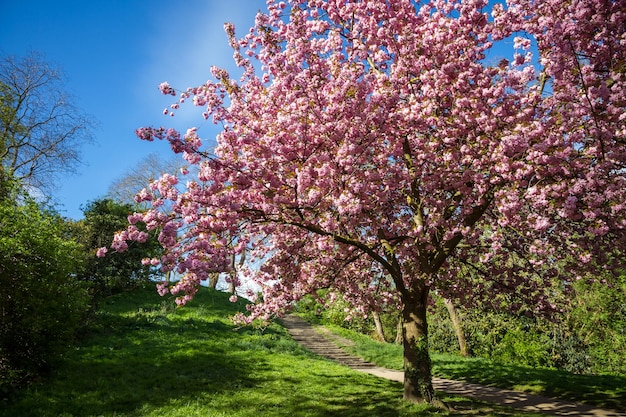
[455,318]
[119,271]
[126,187]
[379,135]
[41,131]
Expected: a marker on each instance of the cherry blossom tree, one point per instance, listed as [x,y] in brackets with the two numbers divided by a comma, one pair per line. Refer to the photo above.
[408,140]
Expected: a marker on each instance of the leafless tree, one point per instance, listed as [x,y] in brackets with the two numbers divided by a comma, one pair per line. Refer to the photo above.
[41,130]
[138,177]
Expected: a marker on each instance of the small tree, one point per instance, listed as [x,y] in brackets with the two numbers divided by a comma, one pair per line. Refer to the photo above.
[378,137]
[119,271]
[41,131]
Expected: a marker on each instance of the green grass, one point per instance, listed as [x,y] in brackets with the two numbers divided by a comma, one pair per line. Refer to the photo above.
[600,390]
[143,357]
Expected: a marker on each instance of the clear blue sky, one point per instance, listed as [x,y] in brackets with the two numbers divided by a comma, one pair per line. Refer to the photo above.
[114,54]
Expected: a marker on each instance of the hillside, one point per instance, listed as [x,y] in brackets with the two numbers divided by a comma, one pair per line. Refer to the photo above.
[144,357]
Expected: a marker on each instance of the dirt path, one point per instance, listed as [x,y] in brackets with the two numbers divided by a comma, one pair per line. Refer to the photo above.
[326,344]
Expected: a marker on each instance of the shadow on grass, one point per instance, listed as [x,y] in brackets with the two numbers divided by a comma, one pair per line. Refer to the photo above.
[600,390]
[128,363]
[327,393]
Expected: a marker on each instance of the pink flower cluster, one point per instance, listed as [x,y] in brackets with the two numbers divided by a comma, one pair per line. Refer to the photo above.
[167,89]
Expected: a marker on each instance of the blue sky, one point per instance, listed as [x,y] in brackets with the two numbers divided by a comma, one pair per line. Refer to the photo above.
[114,54]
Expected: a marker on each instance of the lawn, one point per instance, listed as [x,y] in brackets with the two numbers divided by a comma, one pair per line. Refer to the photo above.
[144,357]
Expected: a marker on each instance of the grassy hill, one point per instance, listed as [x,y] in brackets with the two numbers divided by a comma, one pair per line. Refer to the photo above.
[145,357]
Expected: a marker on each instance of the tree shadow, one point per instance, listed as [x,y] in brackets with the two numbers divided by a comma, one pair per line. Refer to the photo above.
[131,365]
[599,390]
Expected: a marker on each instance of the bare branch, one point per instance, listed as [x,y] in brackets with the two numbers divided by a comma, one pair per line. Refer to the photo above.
[41,131]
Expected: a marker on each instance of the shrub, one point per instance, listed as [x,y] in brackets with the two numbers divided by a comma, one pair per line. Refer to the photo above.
[523,346]
[41,303]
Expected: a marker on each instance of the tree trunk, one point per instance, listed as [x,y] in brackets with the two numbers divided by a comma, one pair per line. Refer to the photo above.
[232,285]
[232,289]
[398,339]
[379,326]
[232,275]
[456,323]
[214,277]
[418,385]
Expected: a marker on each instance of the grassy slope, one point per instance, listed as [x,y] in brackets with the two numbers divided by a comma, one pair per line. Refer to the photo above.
[143,357]
[601,390]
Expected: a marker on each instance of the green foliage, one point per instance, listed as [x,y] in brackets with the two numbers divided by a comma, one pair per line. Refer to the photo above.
[440,330]
[519,346]
[571,353]
[41,303]
[335,314]
[117,271]
[598,317]
[508,338]
[589,337]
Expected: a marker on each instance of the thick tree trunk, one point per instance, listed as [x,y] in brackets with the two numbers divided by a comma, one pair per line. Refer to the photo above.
[456,323]
[418,385]
[379,326]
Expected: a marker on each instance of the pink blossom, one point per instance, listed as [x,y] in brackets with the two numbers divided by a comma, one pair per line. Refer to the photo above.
[521,43]
[167,89]
[162,288]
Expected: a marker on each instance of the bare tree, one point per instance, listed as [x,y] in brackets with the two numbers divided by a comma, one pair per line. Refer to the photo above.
[41,131]
[140,176]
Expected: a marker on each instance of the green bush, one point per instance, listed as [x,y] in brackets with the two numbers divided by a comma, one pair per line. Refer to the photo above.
[41,302]
[116,272]
[338,312]
[590,337]
[521,346]
[441,335]
[597,320]
[570,352]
